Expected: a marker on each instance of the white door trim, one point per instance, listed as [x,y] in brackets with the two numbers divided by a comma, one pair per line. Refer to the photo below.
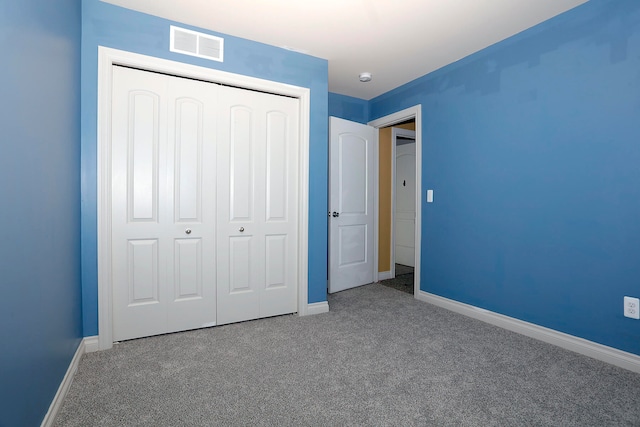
[376,202]
[414,112]
[107,58]
[395,133]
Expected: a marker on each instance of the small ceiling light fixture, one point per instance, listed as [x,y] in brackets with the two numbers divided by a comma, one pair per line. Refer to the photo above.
[365,77]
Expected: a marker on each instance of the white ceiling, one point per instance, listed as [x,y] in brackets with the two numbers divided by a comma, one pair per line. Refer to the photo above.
[397,41]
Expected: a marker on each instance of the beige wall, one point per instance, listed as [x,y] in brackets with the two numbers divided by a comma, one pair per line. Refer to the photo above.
[384,199]
[384,196]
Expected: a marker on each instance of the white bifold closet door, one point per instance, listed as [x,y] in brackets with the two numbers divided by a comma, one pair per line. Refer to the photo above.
[257,205]
[204,204]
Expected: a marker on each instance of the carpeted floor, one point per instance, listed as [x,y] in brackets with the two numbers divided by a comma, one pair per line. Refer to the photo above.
[378,358]
[403,280]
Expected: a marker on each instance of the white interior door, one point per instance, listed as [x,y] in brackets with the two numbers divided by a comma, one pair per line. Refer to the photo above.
[163,212]
[351,203]
[257,205]
[405,201]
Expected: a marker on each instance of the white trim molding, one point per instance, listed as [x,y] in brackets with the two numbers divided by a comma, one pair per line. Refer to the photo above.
[317,308]
[376,203]
[385,275]
[588,348]
[56,404]
[91,344]
[107,58]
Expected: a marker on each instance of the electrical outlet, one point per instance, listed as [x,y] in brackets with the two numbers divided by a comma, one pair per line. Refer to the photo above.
[632,307]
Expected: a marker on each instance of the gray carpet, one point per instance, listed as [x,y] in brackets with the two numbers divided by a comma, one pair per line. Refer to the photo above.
[403,280]
[379,358]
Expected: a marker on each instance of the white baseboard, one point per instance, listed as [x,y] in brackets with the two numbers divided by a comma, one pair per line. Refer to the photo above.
[317,308]
[50,417]
[91,344]
[588,348]
[384,275]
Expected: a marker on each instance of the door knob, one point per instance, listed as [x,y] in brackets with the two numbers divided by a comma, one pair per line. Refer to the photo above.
[336,214]
[187,231]
[241,229]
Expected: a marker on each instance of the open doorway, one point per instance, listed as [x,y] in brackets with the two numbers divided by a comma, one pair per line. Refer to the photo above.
[399,208]
[403,214]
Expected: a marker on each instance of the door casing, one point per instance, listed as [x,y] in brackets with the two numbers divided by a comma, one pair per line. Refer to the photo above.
[107,58]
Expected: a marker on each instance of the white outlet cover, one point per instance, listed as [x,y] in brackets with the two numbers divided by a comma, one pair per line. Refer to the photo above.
[632,307]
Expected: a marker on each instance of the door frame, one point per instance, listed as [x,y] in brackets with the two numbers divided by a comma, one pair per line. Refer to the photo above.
[395,133]
[107,58]
[415,113]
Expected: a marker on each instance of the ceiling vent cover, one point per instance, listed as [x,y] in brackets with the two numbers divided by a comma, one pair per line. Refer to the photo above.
[196,44]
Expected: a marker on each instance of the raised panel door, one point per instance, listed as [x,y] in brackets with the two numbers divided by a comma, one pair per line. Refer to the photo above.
[351,218]
[163,203]
[257,205]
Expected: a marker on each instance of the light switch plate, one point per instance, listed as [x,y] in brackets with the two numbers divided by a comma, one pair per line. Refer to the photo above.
[429,196]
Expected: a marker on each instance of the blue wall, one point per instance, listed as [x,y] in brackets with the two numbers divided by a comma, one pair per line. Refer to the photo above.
[348,108]
[533,149]
[119,28]
[40,312]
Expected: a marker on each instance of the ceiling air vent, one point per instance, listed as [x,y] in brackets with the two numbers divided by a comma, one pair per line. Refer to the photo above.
[196,44]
